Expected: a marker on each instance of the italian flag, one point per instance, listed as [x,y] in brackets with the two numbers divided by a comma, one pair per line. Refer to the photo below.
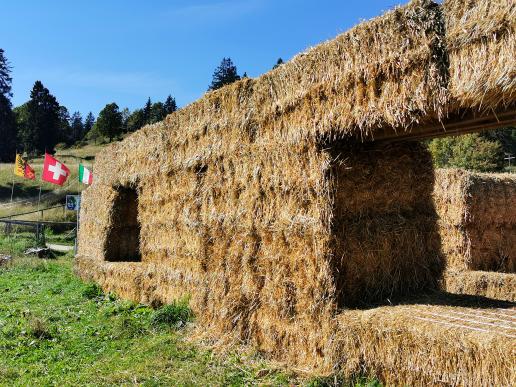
[85,175]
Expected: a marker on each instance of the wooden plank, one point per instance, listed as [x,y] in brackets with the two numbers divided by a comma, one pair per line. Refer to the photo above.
[460,123]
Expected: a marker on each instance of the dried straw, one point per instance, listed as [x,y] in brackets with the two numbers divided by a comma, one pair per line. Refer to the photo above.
[500,286]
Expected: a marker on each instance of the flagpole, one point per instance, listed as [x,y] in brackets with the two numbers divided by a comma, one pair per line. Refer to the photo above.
[39,196]
[12,188]
[77,225]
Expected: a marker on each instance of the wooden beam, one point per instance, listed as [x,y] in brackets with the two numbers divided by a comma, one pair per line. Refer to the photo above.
[462,123]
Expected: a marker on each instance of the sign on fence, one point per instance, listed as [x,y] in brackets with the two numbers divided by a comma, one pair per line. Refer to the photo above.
[73,202]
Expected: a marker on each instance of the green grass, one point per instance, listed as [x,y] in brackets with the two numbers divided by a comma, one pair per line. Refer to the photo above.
[16,244]
[55,330]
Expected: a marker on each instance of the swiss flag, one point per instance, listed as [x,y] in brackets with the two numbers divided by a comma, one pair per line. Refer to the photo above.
[54,171]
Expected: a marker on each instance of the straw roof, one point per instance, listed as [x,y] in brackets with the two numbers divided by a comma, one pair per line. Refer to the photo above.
[412,70]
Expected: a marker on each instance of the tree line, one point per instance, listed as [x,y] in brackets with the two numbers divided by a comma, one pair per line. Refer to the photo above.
[113,122]
[482,152]
[41,123]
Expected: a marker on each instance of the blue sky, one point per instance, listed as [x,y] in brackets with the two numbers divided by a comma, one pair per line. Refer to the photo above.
[90,53]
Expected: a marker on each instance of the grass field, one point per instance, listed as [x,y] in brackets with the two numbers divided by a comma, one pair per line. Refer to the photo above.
[54,331]
[28,188]
[26,192]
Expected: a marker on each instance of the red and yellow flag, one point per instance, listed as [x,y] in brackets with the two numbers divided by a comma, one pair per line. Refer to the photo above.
[23,169]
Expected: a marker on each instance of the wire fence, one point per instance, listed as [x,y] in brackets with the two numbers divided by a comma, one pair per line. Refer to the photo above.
[49,196]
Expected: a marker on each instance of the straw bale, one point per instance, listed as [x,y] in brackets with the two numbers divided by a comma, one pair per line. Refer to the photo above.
[500,286]
[481,44]
[401,345]
[477,219]
[423,345]
[387,72]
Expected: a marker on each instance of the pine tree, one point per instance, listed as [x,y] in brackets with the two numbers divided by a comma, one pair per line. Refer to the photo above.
[279,62]
[158,112]
[65,132]
[135,120]
[7,117]
[147,112]
[109,122]
[76,127]
[7,130]
[125,117]
[5,79]
[224,74]
[39,129]
[170,105]
[88,123]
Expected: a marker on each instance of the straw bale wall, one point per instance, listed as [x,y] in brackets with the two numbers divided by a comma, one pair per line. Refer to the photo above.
[270,242]
[477,219]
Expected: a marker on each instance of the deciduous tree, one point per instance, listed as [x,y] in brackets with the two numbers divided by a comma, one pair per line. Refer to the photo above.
[109,123]
[470,151]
